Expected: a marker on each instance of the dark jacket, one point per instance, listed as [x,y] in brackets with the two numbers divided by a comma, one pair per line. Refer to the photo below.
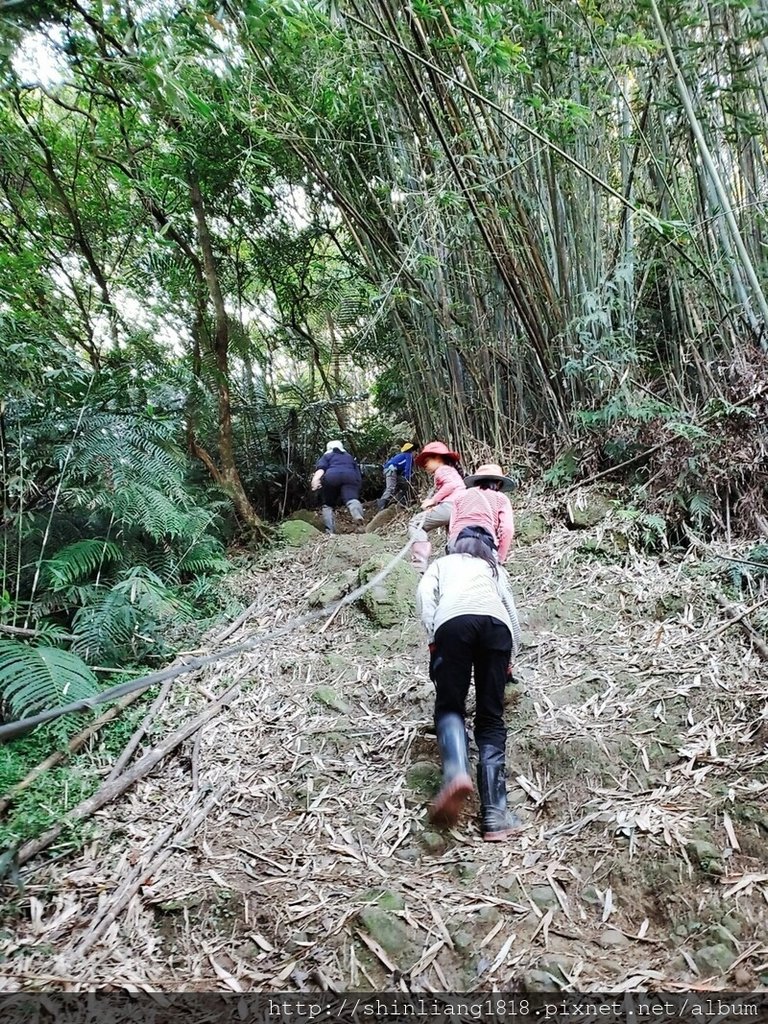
[340,467]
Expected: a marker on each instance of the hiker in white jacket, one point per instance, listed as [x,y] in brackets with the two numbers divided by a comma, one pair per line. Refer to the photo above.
[469,614]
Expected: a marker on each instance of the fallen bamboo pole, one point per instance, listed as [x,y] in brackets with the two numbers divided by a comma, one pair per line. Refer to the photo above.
[136,738]
[740,617]
[159,852]
[72,747]
[109,791]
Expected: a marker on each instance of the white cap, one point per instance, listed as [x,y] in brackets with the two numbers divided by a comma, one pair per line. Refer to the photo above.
[334,446]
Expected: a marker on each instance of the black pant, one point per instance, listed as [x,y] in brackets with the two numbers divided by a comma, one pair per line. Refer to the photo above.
[334,487]
[482,642]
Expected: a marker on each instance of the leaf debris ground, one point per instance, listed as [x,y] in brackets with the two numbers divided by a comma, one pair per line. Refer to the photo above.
[287,846]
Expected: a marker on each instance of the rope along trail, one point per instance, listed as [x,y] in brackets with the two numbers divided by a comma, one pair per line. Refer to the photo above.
[11,730]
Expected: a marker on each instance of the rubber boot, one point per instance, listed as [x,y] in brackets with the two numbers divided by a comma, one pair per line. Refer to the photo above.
[496,822]
[420,552]
[328,520]
[457,784]
[356,511]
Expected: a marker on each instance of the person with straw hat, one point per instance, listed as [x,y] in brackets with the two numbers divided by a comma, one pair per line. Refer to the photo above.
[483,510]
[438,459]
[397,476]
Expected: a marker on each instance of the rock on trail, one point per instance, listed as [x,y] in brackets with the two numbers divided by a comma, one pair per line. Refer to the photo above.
[635,756]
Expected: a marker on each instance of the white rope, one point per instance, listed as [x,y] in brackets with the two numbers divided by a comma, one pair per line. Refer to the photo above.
[16,728]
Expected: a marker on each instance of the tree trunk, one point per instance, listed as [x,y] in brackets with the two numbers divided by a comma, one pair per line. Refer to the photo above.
[226,474]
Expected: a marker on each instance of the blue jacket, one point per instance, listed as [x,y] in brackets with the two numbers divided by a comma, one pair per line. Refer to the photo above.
[402,462]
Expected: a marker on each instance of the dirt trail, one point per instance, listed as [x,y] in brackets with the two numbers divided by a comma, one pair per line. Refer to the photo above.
[637,756]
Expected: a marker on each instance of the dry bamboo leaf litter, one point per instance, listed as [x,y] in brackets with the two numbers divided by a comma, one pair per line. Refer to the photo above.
[633,740]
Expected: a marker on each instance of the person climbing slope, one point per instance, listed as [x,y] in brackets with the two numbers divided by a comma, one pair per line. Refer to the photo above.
[484,508]
[438,459]
[469,614]
[397,475]
[337,475]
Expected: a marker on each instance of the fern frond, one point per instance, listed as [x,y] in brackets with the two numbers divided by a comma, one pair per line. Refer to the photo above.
[128,620]
[156,512]
[35,678]
[149,595]
[161,560]
[700,506]
[75,562]
[103,628]
[207,556]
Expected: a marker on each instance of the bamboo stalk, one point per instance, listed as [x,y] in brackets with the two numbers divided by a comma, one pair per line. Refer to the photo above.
[740,617]
[72,747]
[716,180]
[111,790]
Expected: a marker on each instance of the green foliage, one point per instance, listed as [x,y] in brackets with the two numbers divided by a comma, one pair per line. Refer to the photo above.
[127,622]
[700,508]
[74,563]
[622,405]
[564,470]
[645,530]
[204,558]
[751,573]
[55,792]
[35,678]
[389,392]
[110,525]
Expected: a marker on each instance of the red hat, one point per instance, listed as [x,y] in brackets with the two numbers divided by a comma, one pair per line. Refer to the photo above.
[435,448]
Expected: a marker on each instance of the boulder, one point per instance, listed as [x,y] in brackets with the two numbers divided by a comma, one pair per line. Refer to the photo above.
[342,669]
[393,599]
[466,871]
[342,551]
[715,959]
[531,529]
[433,842]
[390,933]
[382,519]
[707,856]
[609,544]
[306,515]
[589,509]
[334,589]
[559,965]
[591,896]
[723,935]
[463,940]
[423,778]
[539,981]
[328,696]
[511,887]
[296,533]
[754,814]
[385,899]
[393,641]
[543,896]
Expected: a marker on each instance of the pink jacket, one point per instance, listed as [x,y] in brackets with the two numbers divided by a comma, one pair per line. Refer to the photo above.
[447,483]
[489,509]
